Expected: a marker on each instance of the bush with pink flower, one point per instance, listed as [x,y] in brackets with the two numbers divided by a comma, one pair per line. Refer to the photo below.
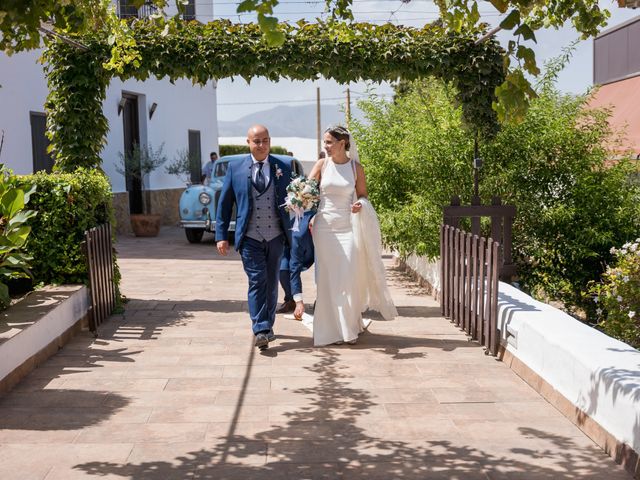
[617,296]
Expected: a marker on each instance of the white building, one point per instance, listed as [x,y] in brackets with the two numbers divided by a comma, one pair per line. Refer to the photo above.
[182,116]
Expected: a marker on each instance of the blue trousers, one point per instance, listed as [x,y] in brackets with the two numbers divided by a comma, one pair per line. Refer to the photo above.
[261,262]
[285,274]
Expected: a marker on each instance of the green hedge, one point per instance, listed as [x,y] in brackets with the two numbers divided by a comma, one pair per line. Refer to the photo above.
[67,205]
[236,149]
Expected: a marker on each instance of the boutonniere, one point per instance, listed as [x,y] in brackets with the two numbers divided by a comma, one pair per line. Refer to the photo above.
[278,172]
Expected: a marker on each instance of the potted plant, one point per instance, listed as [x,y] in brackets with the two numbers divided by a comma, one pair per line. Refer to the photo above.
[138,164]
[181,164]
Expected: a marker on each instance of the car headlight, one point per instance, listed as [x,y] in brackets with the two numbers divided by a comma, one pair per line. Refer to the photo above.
[204,198]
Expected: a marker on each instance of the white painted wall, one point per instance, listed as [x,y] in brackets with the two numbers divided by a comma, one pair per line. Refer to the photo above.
[23,89]
[41,318]
[181,107]
[595,372]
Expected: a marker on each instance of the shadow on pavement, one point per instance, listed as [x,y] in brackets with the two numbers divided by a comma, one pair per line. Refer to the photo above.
[334,436]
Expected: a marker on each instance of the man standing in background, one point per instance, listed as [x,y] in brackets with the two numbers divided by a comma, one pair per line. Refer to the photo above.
[207,170]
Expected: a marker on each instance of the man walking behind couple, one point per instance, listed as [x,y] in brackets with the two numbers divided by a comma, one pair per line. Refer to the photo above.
[346,284]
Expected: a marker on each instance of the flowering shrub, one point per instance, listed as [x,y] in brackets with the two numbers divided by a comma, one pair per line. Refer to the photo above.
[617,296]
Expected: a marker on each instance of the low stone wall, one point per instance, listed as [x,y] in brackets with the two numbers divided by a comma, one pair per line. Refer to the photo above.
[424,271]
[588,376]
[37,327]
[163,202]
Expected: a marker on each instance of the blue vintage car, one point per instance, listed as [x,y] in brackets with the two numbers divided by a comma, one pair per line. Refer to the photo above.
[198,203]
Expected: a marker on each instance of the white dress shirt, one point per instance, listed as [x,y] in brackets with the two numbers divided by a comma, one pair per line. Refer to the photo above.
[266,170]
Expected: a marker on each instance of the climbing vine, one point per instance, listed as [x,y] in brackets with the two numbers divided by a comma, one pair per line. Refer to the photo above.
[345,52]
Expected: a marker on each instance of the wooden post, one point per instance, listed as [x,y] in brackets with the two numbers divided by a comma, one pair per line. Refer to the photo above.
[496,222]
[474,288]
[348,108]
[493,343]
[443,272]
[467,292]
[451,267]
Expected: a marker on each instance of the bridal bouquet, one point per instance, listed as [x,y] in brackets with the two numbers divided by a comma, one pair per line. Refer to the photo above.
[303,194]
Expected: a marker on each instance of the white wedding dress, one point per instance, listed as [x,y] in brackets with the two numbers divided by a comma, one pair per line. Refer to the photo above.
[339,303]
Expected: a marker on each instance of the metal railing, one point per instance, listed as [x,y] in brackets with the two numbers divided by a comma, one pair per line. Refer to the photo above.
[126,9]
[98,251]
[470,269]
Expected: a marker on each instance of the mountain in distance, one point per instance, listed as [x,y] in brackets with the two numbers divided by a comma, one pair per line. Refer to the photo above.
[287,121]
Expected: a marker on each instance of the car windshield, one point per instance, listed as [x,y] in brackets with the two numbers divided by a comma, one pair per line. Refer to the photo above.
[221,169]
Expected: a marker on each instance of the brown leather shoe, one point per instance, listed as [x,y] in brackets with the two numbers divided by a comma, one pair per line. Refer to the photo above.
[287,307]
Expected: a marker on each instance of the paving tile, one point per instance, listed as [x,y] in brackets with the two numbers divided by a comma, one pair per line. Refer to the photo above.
[208,413]
[219,384]
[151,433]
[26,461]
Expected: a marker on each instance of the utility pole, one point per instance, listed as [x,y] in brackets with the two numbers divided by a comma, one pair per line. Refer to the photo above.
[348,109]
[319,125]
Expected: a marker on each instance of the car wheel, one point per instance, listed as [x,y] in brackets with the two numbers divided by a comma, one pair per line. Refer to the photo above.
[194,235]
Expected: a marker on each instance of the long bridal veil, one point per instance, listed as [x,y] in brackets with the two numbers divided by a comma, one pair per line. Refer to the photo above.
[370,275]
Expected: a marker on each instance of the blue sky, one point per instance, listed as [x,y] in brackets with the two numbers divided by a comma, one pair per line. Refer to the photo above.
[236,98]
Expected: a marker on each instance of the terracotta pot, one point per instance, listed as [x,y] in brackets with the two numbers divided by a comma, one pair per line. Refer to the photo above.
[144,225]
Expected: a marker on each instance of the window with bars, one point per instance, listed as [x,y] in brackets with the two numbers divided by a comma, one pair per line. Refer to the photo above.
[189,10]
[126,9]
[39,143]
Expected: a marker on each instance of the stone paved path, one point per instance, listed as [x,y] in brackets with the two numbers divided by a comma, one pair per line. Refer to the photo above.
[173,389]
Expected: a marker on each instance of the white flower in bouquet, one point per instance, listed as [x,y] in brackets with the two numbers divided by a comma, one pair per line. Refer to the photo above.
[303,194]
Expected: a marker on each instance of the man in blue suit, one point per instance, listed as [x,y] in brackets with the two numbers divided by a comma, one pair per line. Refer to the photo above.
[258,186]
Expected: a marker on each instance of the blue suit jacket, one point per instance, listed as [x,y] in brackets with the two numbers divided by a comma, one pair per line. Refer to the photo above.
[301,253]
[237,189]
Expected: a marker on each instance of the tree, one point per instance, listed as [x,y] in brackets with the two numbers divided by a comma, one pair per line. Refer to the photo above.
[573,204]
[23,22]
[138,164]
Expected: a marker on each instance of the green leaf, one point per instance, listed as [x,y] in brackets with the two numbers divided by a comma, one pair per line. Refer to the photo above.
[247,6]
[275,38]
[526,32]
[529,57]
[21,217]
[12,202]
[511,20]
[474,14]
[267,24]
[501,5]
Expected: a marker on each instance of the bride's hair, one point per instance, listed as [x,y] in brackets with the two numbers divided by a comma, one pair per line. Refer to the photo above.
[340,133]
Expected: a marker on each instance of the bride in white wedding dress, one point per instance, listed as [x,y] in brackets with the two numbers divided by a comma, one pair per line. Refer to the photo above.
[341,271]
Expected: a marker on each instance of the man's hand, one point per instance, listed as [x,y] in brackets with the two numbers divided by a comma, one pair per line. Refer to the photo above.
[223,247]
[297,313]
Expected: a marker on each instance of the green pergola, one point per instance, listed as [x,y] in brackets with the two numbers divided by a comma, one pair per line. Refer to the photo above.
[78,77]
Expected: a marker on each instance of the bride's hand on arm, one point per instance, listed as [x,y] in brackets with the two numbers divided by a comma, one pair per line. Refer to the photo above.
[361,188]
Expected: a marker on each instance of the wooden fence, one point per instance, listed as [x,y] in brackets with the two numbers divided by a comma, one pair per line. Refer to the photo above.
[99,255]
[470,268]
[501,217]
